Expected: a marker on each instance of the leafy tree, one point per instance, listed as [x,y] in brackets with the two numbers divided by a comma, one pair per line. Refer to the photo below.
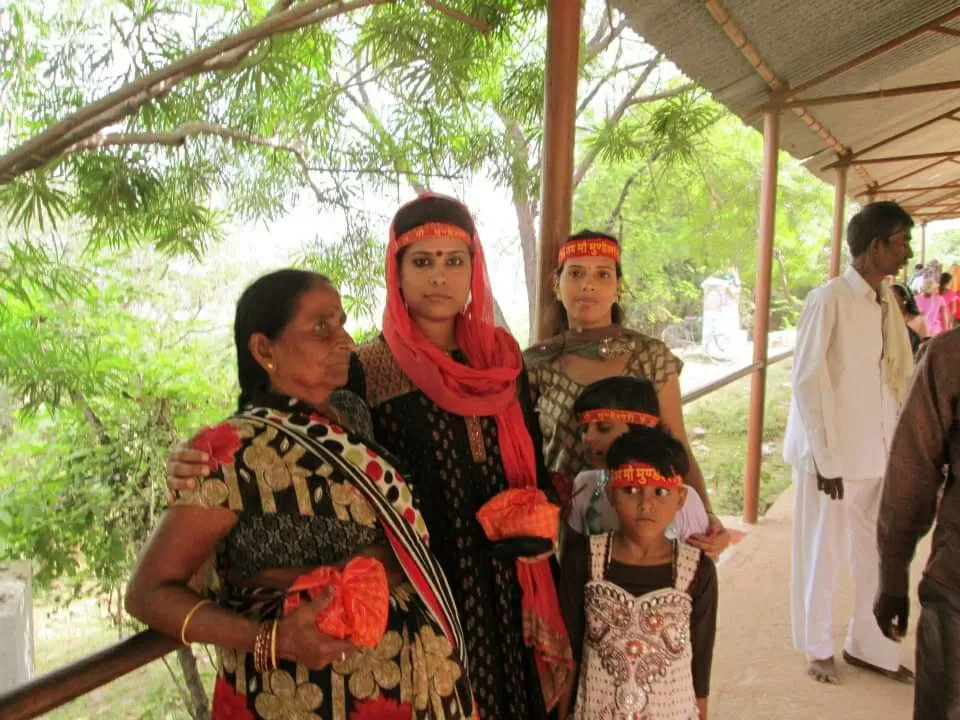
[697,216]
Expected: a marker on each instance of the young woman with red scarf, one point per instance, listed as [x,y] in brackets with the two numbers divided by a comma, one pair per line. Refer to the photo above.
[448,394]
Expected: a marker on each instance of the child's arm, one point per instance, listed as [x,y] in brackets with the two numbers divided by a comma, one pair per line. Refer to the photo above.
[703,628]
[702,707]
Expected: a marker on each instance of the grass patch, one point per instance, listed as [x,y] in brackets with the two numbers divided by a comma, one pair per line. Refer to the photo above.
[717,426]
[65,635]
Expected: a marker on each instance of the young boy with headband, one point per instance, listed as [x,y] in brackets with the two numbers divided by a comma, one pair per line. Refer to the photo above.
[640,608]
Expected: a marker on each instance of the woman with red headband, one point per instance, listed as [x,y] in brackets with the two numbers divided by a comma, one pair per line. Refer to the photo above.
[448,394]
[595,345]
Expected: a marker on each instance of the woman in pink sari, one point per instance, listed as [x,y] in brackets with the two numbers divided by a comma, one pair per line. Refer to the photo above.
[933,307]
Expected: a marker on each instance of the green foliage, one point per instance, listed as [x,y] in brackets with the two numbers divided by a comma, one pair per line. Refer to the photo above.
[693,214]
[104,389]
[355,266]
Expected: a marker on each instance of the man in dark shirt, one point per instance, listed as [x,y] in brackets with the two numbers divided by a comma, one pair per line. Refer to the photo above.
[927,439]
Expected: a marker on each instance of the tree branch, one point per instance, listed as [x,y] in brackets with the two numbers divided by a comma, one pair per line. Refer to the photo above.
[597,45]
[665,95]
[621,199]
[127,100]
[457,15]
[178,137]
[591,155]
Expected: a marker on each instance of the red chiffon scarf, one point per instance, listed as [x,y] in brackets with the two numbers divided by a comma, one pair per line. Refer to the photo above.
[487,386]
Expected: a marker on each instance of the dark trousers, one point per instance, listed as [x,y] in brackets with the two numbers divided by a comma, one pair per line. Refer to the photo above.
[937,692]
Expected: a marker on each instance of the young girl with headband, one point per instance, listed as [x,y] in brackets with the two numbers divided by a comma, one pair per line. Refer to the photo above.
[607,409]
[594,345]
[641,609]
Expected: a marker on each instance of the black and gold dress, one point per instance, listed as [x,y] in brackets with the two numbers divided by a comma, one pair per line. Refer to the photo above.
[554,391]
[308,493]
[454,466]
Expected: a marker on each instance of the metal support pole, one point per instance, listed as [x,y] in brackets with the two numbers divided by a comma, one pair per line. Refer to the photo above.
[923,243]
[559,117]
[761,316]
[839,206]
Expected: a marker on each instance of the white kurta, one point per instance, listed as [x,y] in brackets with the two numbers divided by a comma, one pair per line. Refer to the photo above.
[842,418]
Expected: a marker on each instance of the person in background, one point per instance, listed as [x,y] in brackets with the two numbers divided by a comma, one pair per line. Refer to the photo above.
[955,288]
[949,299]
[911,314]
[595,345]
[916,492]
[608,409]
[851,368]
[288,492]
[933,307]
[916,280]
[641,608]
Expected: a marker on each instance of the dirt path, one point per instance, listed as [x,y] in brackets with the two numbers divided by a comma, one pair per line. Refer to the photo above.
[756,673]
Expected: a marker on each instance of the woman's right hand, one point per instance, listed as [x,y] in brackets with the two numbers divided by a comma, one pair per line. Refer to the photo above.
[183,467]
[298,638]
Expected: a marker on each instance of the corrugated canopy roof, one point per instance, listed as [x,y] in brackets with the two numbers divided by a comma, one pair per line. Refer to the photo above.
[749,53]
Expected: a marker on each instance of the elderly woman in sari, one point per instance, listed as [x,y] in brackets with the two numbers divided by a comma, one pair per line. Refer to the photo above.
[290,490]
[447,391]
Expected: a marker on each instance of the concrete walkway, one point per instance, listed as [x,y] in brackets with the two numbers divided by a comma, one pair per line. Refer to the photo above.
[756,673]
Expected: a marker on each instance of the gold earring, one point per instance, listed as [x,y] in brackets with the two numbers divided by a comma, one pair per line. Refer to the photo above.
[269,366]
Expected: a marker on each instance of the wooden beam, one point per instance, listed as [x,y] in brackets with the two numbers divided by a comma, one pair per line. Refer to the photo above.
[903,133]
[894,158]
[922,189]
[559,117]
[917,171]
[67,683]
[859,97]
[947,31]
[873,54]
[761,317]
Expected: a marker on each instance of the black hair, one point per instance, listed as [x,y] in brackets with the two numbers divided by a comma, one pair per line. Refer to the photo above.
[652,446]
[944,281]
[906,295]
[266,306]
[877,221]
[616,313]
[619,393]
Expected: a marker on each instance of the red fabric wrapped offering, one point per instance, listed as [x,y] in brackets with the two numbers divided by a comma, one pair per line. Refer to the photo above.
[358,609]
[519,512]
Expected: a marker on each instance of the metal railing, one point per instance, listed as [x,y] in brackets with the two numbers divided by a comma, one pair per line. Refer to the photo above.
[61,686]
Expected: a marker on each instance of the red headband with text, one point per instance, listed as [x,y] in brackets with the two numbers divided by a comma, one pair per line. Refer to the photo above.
[433,229]
[641,474]
[630,417]
[589,247]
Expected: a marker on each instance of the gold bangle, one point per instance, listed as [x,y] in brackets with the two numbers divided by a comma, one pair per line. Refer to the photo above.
[188,618]
[273,645]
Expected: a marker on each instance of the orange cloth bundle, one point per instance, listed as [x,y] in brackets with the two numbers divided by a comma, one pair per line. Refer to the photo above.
[519,512]
[360,604]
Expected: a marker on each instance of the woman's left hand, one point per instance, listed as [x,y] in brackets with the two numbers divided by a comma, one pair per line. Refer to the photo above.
[714,542]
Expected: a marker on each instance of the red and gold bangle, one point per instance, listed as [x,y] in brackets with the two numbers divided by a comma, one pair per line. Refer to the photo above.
[188,617]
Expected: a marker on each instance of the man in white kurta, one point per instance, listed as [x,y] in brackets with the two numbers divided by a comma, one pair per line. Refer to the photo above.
[841,423]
